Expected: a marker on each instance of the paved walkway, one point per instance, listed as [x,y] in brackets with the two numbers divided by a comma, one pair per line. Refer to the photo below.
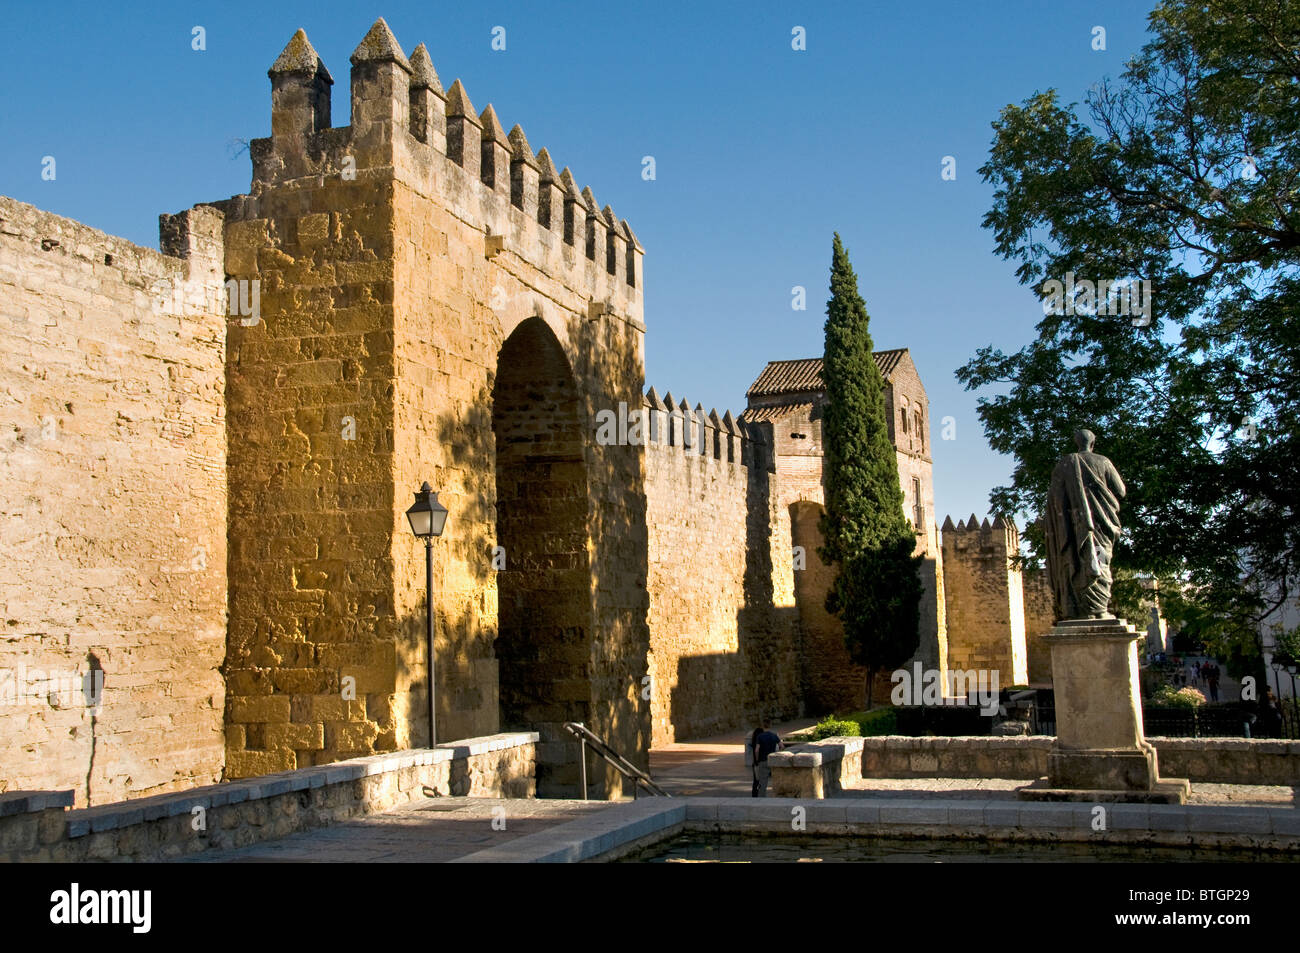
[1229,687]
[431,831]
[710,767]
[445,829]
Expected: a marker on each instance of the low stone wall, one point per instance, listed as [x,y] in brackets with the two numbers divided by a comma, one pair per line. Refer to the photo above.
[1230,760]
[1207,760]
[816,769]
[823,768]
[37,825]
[956,757]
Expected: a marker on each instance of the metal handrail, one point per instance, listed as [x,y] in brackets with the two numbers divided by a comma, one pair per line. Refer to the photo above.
[626,768]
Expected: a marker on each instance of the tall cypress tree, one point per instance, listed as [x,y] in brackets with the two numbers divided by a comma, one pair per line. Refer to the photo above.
[877,589]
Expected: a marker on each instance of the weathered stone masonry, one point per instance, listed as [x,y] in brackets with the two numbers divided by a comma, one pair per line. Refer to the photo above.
[985,598]
[397,256]
[723,626]
[113,505]
[430,300]
[788,397]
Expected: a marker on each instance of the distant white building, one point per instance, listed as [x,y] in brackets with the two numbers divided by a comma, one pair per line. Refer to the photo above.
[1285,618]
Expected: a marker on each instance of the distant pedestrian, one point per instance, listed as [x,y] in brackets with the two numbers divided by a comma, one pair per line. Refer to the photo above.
[1212,679]
[763,743]
[1270,717]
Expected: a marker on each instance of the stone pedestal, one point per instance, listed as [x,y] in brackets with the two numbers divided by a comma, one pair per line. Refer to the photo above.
[1101,754]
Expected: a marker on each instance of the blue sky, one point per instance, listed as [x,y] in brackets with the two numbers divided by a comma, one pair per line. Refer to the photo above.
[761,151]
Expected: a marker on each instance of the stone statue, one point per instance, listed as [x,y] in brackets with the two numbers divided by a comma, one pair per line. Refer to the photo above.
[1081,525]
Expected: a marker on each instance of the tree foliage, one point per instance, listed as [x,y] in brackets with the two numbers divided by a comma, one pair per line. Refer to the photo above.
[1184,173]
[877,591]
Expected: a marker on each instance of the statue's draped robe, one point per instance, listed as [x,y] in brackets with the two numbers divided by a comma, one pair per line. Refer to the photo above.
[1081,525]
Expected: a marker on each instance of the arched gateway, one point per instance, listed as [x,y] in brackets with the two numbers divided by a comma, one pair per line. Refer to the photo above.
[437,302]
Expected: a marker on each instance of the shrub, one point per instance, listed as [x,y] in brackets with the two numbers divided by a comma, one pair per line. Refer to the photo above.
[1178,697]
[831,727]
[880,721]
[868,724]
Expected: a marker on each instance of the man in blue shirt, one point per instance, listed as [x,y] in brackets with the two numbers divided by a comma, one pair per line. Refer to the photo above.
[763,743]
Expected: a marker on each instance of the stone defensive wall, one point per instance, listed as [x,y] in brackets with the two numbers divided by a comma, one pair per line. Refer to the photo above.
[113,492]
[37,825]
[724,629]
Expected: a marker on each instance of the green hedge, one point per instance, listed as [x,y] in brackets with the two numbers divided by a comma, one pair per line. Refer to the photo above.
[833,728]
[879,721]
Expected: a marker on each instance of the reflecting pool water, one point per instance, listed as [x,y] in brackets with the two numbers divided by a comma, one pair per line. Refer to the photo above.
[758,848]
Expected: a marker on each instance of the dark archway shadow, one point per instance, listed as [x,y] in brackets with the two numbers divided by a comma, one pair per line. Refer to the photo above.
[768,633]
[544,633]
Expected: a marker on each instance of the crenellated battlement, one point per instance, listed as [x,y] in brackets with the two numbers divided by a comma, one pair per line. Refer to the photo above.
[404,124]
[1001,535]
[672,425]
[985,597]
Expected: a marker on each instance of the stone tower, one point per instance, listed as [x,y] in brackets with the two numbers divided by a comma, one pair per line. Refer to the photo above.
[437,302]
[985,599]
[788,396]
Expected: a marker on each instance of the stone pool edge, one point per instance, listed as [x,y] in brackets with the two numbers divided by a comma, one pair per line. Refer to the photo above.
[625,828]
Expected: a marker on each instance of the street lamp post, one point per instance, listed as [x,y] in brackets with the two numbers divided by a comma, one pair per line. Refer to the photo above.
[428,517]
[1295,703]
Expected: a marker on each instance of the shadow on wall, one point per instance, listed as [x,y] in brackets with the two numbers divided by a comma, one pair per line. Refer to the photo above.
[832,682]
[608,360]
[710,695]
[465,667]
[768,634]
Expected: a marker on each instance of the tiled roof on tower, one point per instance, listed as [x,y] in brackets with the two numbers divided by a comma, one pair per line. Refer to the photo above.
[805,376]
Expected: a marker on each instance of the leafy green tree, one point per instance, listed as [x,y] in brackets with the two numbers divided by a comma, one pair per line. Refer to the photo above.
[877,590]
[1183,174]
[1286,646]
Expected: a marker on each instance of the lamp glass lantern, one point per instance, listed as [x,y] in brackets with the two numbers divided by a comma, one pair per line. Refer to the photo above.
[427,516]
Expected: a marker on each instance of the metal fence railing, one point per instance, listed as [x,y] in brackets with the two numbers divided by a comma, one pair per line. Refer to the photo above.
[1232,720]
